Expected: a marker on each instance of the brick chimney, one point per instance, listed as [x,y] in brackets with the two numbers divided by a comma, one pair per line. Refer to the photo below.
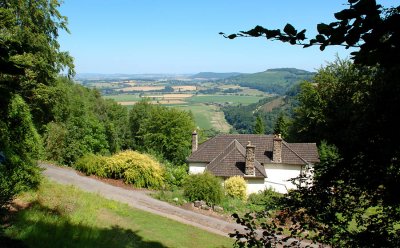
[195,142]
[250,158]
[277,150]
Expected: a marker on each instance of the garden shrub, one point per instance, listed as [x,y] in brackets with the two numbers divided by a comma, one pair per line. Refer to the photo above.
[268,198]
[175,175]
[236,187]
[133,167]
[203,186]
[142,170]
[91,164]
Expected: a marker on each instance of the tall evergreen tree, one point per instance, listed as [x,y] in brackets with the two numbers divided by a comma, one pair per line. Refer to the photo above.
[259,127]
[281,125]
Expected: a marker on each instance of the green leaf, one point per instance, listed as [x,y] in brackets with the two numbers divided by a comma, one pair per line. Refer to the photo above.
[352,37]
[290,30]
[320,38]
[232,36]
[346,14]
[301,35]
[365,6]
[324,29]
[272,33]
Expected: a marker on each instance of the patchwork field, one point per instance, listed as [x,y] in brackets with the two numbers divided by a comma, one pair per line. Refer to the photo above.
[205,108]
[143,88]
[232,99]
[124,97]
[207,116]
[184,88]
[204,99]
[169,96]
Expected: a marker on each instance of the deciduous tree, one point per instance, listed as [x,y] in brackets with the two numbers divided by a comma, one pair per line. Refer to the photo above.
[165,131]
[30,60]
[352,106]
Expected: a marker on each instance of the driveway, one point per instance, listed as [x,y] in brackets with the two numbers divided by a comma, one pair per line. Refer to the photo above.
[139,199]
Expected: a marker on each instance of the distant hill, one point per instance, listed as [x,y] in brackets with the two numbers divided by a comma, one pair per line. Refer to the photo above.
[215,75]
[276,81]
[120,76]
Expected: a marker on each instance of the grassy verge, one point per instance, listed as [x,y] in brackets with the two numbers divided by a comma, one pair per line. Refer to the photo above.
[64,216]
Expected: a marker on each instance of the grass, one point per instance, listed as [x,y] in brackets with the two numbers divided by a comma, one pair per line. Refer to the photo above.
[259,202]
[207,116]
[64,216]
[245,100]
[172,196]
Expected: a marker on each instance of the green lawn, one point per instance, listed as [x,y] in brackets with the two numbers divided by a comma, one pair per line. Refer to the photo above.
[64,216]
[224,98]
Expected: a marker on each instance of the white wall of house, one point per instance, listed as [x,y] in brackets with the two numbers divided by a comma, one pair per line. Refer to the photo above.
[254,185]
[196,168]
[279,174]
[277,177]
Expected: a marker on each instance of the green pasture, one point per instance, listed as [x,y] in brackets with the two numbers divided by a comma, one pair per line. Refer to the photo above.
[245,100]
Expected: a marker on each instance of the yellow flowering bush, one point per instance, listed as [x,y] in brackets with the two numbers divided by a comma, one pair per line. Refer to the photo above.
[236,187]
[133,167]
[91,164]
[142,170]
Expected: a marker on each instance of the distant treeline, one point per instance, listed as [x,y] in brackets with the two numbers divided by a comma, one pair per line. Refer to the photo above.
[243,117]
[275,81]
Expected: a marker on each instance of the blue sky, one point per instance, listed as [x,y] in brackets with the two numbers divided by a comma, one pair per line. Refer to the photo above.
[181,36]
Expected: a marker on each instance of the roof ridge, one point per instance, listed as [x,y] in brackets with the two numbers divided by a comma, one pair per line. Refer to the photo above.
[287,145]
[241,150]
[240,147]
[301,142]
[228,147]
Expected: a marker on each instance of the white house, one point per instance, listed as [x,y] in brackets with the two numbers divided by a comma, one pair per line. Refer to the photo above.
[265,161]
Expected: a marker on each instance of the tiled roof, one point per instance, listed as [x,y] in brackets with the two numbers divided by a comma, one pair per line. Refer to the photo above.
[292,153]
[231,162]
